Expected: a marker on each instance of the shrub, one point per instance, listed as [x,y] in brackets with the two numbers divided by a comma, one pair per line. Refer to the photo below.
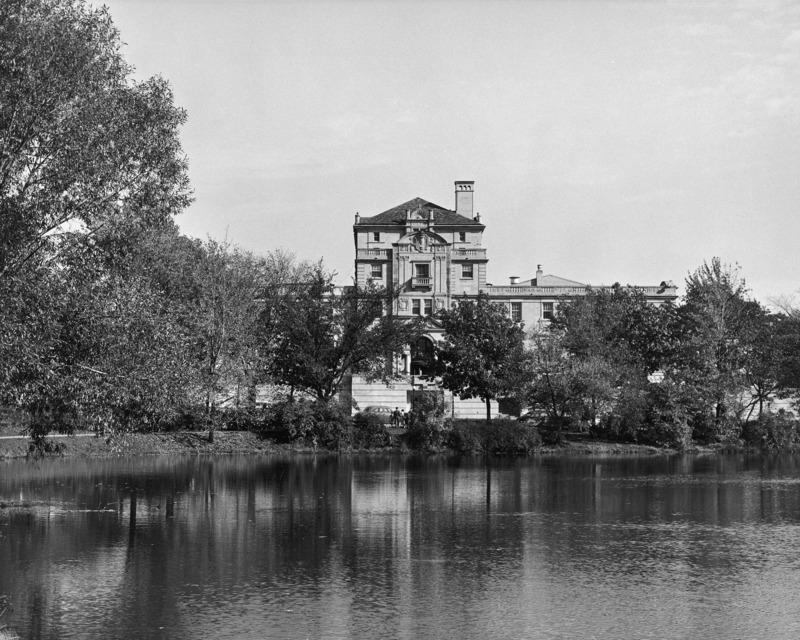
[552,428]
[707,428]
[332,426]
[654,415]
[500,436]
[290,420]
[325,425]
[467,436]
[665,423]
[428,429]
[369,432]
[188,419]
[773,431]
[509,436]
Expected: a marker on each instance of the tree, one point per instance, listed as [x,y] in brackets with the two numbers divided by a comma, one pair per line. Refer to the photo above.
[319,335]
[81,144]
[764,367]
[89,161]
[554,387]
[230,284]
[481,354]
[787,337]
[612,340]
[103,349]
[617,325]
[718,324]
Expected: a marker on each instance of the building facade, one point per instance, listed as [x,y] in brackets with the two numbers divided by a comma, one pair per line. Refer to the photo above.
[436,256]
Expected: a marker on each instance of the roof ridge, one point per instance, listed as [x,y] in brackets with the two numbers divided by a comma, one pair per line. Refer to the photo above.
[398,213]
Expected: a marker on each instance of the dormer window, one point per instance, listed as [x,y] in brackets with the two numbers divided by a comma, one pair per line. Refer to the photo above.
[376,236]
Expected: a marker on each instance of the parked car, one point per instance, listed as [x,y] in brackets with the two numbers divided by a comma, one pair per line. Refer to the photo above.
[384,414]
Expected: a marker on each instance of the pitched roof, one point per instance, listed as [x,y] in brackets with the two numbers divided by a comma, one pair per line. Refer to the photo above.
[551,281]
[397,215]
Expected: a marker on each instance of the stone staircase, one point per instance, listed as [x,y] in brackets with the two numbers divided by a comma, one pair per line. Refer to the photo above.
[367,394]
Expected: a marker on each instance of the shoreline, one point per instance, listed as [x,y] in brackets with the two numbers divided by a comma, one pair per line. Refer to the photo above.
[250,443]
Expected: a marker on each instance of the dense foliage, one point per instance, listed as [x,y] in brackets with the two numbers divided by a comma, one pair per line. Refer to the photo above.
[90,162]
[481,350]
[615,366]
[323,424]
[112,320]
[319,335]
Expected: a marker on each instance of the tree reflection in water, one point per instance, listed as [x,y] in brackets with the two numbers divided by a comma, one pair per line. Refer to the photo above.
[362,546]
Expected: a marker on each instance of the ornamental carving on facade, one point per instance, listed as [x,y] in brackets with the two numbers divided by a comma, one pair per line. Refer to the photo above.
[421,242]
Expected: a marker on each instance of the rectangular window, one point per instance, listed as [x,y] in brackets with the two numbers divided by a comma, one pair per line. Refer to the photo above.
[376,236]
[415,307]
[547,310]
[462,236]
[377,270]
[428,306]
[466,271]
[422,270]
[516,311]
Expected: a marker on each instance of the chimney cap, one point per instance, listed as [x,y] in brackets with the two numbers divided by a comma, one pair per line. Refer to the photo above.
[513,279]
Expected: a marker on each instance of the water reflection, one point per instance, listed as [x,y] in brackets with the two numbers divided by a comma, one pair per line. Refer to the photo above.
[404,547]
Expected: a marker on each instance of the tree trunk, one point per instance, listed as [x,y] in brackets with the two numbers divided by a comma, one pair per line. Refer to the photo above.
[488,409]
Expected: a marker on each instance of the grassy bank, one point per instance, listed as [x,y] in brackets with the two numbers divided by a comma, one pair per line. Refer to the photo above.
[243,442]
[133,444]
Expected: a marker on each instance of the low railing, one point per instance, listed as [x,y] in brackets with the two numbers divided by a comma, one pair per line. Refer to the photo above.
[420,282]
[373,253]
[569,291]
[469,253]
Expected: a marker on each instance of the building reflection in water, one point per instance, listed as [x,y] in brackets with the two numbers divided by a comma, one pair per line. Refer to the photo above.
[363,546]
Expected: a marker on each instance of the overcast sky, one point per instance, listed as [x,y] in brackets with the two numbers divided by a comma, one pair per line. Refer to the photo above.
[609,141]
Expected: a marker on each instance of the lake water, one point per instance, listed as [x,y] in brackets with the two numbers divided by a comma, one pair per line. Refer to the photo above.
[402,547]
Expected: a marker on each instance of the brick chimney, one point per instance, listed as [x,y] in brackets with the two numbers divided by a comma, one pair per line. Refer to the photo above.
[464,193]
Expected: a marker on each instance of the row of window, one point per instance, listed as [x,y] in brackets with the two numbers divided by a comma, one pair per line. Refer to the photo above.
[516,311]
[421,270]
[424,306]
[376,236]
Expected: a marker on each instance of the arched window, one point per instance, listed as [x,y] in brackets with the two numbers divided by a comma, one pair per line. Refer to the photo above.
[422,357]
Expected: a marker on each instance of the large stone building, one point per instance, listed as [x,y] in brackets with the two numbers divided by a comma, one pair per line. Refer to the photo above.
[436,256]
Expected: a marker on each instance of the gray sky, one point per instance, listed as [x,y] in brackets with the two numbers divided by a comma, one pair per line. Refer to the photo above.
[609,141]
